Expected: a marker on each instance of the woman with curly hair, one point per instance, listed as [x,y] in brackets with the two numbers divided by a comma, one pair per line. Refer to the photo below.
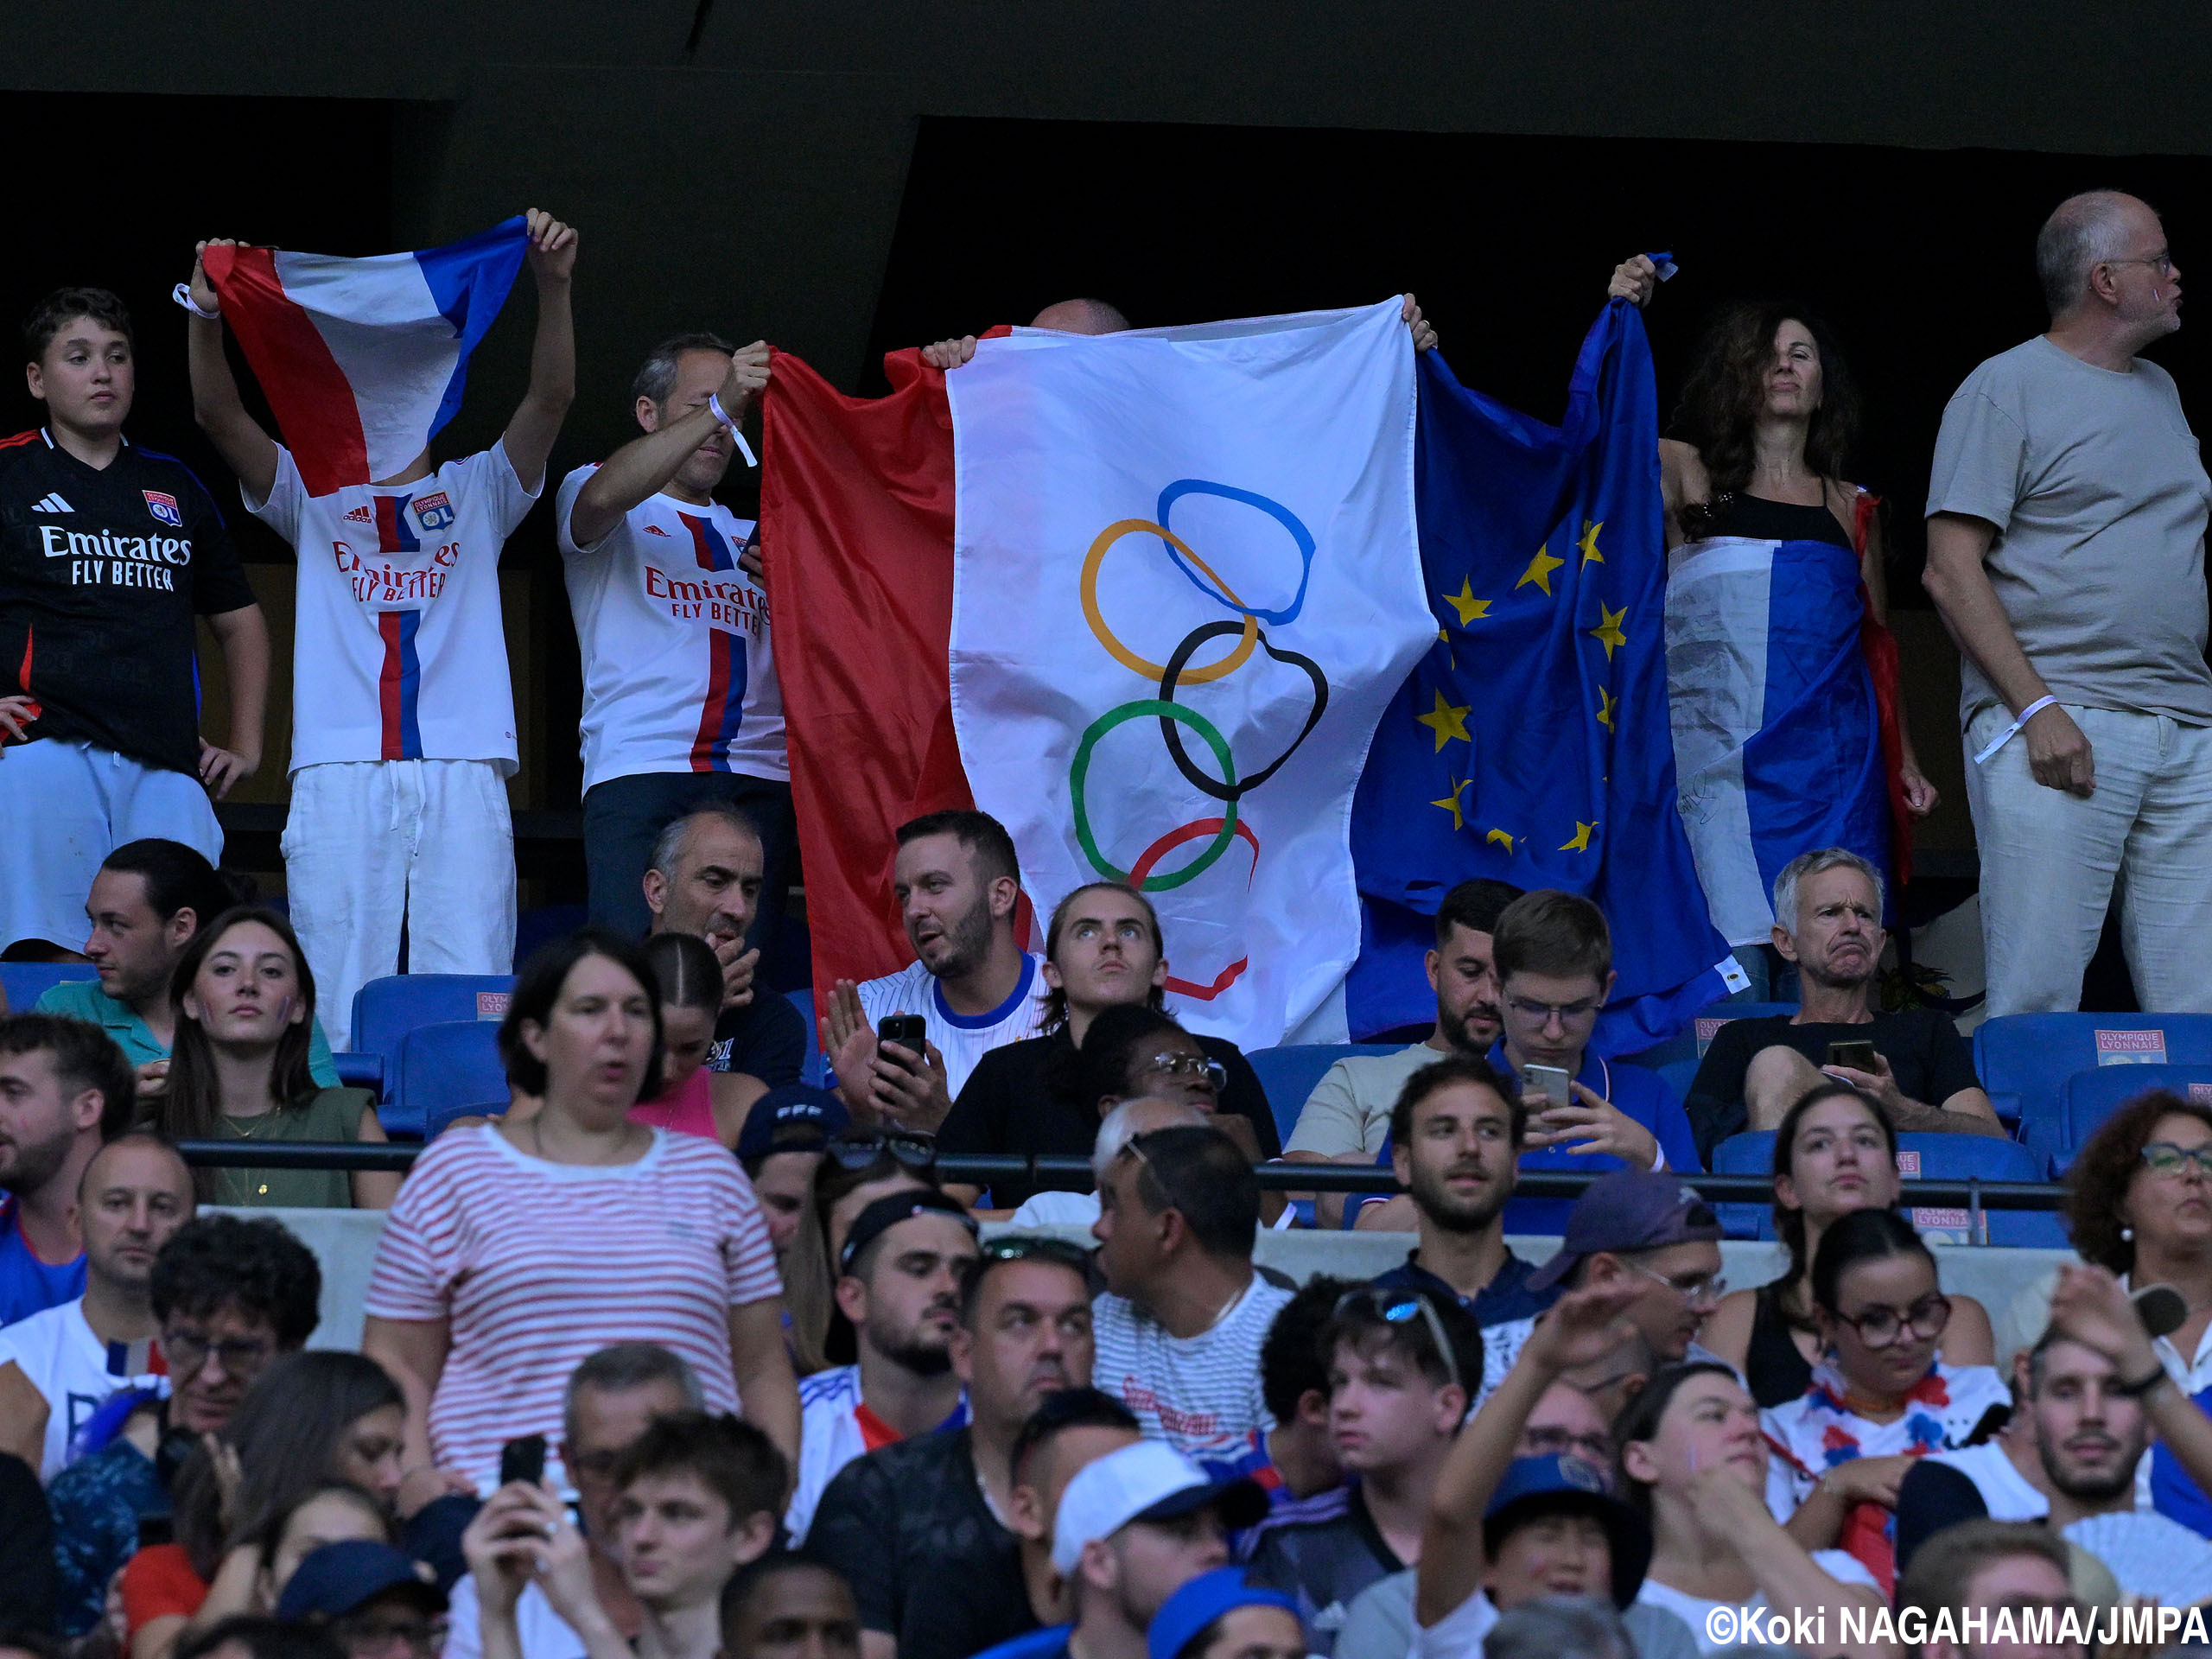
[2139,1203]
[1777,612]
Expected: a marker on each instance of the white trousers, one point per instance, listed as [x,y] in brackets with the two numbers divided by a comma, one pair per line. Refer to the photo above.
[370,842]
[64,807]
[2051,862]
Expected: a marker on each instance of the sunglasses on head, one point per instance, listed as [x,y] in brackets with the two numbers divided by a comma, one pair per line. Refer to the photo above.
[859,1151]
[1028,1248]
[1399,1306]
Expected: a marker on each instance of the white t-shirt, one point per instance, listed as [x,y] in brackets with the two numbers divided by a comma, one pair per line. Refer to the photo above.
[961,1039]
[1054,1209]
[1200,1394]
[545,1634]
[1691,1609]
[398,652]
[65,1361]
[678,672]
[536,1265]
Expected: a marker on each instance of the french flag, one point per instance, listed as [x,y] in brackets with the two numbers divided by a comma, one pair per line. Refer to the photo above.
[363,360]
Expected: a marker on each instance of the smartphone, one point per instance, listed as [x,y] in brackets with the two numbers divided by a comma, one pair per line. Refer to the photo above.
[909,1031]
[522,1459]
[1547,1083]
[1858,1056]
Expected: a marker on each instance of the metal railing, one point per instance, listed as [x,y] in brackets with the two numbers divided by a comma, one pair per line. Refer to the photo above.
[981,1169]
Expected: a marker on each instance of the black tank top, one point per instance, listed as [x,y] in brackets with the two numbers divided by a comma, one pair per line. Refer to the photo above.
[1758,519]
[1772,1365]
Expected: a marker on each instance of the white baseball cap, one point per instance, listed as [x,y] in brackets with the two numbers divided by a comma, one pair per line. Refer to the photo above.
[1148,1481]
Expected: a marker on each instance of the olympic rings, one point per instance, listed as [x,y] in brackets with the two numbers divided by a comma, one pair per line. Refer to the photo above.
[1079,770]
[1120,653]
[1230,790]
[1275,510]
[1174,838]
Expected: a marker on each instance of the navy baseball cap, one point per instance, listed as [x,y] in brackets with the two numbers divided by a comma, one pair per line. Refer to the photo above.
[885,1213]
[792,1118]
[1540,1486]
[1629,1210]
[334,1580]
[1187,1612]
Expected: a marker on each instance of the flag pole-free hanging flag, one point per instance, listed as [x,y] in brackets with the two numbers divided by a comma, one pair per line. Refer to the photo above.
[1186,584]
[1532,743]
[363,360]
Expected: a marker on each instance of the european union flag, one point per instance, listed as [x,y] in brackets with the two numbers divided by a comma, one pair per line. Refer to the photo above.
[1532,744]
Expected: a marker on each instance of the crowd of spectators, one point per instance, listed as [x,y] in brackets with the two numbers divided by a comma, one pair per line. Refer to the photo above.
[672,1354]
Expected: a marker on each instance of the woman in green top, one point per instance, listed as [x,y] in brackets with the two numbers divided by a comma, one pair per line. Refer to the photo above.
[239,1068]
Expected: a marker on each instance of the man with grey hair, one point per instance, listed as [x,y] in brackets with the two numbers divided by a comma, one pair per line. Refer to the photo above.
[611,1398]
[2066,523]
[704,879]
[1140,1114]
[681,704]
[1827,920]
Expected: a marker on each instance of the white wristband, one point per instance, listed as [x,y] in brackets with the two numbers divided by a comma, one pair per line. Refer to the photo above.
[714,407]
[2010,732]
[183,295]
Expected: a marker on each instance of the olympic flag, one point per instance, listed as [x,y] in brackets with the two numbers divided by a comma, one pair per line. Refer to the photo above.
[1187,582]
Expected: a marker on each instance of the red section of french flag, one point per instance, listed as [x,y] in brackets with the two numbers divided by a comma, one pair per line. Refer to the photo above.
[313,400]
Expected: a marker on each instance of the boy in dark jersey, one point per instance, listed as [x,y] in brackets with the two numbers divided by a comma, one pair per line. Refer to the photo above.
[108,555]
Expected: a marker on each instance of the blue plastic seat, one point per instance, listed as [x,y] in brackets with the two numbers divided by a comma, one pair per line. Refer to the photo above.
[1920,1157]
[385,1010]
[27,981]
[2025,1060]
[1289,1074]
[814,1068]
[2092,1097]
[446,1070]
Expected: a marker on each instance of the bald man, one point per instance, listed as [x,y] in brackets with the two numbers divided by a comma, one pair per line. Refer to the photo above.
[56,1367]
[2066,517]
[1096,317]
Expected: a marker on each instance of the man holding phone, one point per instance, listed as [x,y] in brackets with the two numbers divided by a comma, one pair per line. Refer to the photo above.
[1828,920]
[1554,961]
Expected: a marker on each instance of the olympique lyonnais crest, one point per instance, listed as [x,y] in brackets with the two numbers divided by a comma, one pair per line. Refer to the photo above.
[435,511]
[163,507]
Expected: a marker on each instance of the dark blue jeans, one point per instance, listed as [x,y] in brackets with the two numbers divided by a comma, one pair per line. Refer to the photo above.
[623,817]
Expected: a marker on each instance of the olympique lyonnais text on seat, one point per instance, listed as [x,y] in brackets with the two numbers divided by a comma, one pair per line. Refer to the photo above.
[2025,1060]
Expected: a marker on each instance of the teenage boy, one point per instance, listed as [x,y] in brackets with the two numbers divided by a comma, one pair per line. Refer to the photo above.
[1455,1143]
[699,1497]
[681,704]
[108,556]
[1554,961]
[898,1284]
[402,707]
[1402,1371]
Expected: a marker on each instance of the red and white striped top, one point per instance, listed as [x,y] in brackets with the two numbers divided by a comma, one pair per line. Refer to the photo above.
[538,1265]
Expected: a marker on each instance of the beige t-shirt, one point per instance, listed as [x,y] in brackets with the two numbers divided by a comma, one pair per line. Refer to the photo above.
[1349,1110]
[2093,482]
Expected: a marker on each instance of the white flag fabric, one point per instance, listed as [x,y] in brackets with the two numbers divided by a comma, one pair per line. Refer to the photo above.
[1187,580]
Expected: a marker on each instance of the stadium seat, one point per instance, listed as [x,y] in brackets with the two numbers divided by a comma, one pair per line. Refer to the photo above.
[2025,1060]
[385,1010]
[27,981]
[445,1071]
[361,1070]
[1920,1157]
[1289,1073]
[814,1068]
[2093,1096]
[1717,1015]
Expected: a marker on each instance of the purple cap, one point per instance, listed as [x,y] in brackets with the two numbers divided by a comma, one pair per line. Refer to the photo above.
[1629,1210]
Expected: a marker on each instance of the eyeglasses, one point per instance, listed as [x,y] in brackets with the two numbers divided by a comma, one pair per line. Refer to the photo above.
[1396,1307]
[1597,1449]
[1692,1288]
[1540,1013]
[2164,1158]
[379,1636]
[1880,1327]
[185,1352]
[859,1151]
[1028,1248]
[2161,263]
[1188,1065]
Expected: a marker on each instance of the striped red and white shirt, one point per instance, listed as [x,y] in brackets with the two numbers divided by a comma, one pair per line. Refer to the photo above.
[537,1266]
[398,652]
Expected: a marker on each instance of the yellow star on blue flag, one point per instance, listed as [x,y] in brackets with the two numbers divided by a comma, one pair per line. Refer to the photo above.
[1540,569]
[1608,633]
[1446,721]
